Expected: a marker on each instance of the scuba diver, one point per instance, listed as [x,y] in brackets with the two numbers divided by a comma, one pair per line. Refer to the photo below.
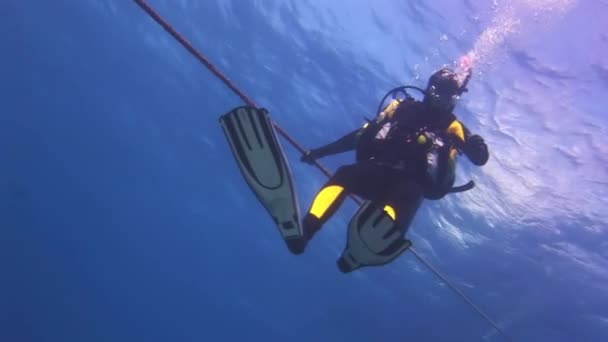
[405,155]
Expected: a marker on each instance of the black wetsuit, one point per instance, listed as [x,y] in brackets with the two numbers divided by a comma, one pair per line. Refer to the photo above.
[391,167]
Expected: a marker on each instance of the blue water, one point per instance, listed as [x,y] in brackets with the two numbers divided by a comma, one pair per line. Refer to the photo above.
[123,217]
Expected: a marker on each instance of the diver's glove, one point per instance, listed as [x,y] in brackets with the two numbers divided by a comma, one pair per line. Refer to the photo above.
[310,156]
[476,149]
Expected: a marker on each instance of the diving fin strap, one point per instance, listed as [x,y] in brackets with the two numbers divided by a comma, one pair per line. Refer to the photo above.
[374,239]
[461,188]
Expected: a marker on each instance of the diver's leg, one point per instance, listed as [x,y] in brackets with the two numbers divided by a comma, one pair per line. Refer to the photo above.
[360,178]
[404,198]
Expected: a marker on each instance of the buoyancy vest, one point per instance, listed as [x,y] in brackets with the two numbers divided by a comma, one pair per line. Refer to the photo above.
[409,135]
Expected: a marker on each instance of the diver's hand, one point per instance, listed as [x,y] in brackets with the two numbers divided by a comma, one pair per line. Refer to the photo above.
[476,149]
[310,156]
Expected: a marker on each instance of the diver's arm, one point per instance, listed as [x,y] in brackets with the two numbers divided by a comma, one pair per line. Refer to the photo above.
[344,144]
[350,140]
[475,147]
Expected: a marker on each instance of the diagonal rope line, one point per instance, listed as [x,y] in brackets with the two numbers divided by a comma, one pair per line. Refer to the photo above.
[460,294]
[205,61]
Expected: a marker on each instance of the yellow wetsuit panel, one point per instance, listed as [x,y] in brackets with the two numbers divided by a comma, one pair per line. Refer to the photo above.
[391,212]
[324,200]
[456,129]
